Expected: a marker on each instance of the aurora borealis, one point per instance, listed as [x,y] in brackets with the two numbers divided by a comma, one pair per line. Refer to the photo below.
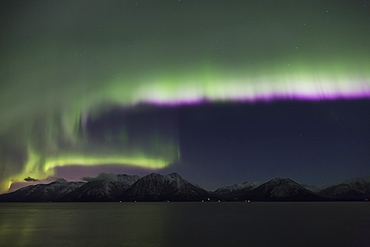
[101,83]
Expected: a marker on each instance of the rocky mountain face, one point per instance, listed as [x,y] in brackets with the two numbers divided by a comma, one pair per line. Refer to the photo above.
[278,189]
[282,189]
[172,187]
[41,192]
[233,192]
[95,191]
[127,180]
[354,189]
[101,190]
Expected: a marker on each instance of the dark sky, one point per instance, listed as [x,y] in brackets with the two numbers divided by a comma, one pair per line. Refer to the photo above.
[218,91]
[314,143]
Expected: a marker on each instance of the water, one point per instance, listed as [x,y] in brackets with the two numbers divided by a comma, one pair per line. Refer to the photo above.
[185,224]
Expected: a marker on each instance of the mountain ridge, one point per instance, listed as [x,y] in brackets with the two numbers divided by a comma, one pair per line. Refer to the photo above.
[172,187]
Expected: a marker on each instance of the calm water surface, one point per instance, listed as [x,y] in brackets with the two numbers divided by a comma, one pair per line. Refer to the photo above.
[185,224]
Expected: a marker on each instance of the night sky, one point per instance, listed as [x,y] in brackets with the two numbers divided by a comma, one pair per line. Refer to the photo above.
[219,91]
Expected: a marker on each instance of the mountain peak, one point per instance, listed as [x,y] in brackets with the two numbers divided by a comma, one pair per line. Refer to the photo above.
[171,187]
[361,180]
[283,189]
[152,175]
[281,179]
[174,175]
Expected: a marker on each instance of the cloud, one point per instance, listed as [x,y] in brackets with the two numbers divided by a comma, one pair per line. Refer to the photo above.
[29,179]
[102,176]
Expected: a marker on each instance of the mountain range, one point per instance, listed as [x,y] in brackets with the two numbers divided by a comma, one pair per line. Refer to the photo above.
[172,187]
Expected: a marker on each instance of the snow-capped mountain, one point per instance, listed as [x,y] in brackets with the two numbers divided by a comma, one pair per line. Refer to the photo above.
[153,187]
[278,189]
[281,189]
[233,192]
[41,192]
[237,187]
[353,189]
[127,180]
[101,190]
[172,187]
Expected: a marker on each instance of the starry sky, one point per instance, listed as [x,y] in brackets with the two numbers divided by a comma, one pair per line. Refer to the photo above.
[219,91]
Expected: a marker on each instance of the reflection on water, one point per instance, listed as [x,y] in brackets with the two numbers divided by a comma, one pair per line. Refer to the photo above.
[185,224]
